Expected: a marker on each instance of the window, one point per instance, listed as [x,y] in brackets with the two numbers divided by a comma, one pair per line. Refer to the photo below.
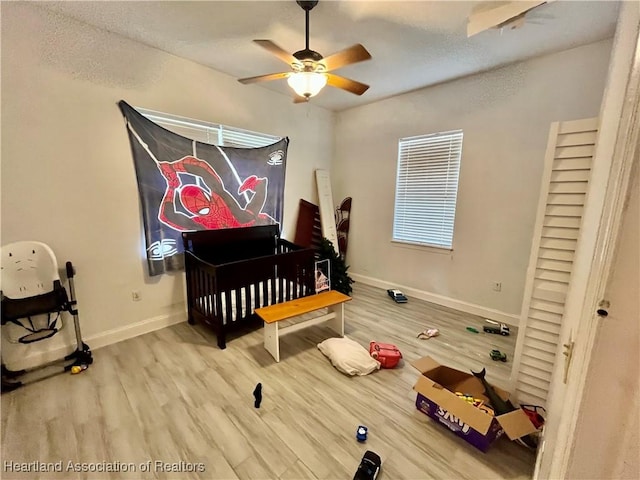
[212,133]
[426,189]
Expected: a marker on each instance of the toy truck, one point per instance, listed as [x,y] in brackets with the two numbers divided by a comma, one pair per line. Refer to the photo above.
[500,329]
[498,355]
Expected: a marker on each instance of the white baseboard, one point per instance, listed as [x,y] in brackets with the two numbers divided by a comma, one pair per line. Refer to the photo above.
[498,316]
[139,328]
[102,339]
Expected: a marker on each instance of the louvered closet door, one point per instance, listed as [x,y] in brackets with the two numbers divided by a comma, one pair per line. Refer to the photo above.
[564,188]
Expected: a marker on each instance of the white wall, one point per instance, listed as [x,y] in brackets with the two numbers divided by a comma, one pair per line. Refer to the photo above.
[606,437]
[67,171]
[505,115]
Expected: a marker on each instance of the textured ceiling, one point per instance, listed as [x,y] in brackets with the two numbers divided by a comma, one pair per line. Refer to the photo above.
[414,44]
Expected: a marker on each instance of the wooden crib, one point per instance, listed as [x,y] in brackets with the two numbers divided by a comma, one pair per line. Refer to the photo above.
[231,272]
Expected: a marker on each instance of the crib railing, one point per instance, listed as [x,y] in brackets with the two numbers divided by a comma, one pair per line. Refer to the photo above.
[225,296]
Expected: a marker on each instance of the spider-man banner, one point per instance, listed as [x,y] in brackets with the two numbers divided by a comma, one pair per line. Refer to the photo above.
[188,185]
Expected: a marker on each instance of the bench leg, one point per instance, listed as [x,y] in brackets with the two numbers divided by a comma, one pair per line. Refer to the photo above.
[271,340]
[337,323]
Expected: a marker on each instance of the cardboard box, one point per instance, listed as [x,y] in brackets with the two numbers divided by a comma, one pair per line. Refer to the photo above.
[436,398]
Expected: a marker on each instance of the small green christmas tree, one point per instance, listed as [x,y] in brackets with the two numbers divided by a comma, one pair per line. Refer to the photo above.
[340,280]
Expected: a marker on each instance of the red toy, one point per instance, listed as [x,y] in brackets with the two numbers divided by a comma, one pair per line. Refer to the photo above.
[533,412]
[388,355]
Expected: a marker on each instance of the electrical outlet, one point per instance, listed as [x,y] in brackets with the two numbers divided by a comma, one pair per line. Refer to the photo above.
[135,296]
[497,286]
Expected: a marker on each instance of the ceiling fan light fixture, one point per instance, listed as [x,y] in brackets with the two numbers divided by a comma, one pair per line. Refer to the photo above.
[307,84]
[310,71]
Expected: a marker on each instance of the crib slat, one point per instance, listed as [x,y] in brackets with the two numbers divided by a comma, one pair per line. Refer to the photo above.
[248,298]
[273,290]
[203,281]
[199,278]
[217,308]
[228,315]
[208,288]
[238,304]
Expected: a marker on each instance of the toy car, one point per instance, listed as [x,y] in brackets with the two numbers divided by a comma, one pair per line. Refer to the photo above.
[369,466]
[361,433]
[498,355]
[502,329]
[397,295]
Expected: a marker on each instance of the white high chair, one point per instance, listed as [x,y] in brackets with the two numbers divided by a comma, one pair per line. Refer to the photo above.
[31,286]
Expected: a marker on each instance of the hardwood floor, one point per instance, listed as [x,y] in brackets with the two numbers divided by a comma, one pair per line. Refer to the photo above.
[172,396]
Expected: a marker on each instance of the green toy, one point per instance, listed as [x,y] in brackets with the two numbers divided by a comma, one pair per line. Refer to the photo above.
[498,355]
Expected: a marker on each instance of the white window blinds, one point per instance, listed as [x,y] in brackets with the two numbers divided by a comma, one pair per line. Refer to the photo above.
[426,188]
[206,132]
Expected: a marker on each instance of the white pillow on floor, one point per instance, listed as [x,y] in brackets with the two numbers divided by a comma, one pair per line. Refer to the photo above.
[348,356]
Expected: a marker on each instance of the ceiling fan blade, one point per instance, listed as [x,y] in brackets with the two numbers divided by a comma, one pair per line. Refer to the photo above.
[264,78]
[353,54]
[346,84]
[282,54]
[485,19]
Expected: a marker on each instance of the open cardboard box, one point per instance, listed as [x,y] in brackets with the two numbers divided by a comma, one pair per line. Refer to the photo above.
[436,398]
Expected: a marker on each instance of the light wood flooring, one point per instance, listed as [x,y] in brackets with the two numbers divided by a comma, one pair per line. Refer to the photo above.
[172,396]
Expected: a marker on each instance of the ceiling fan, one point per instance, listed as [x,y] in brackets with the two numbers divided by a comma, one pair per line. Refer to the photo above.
[310,70]
[504,15]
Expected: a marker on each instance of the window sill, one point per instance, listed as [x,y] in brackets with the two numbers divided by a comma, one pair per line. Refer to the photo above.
[423,247]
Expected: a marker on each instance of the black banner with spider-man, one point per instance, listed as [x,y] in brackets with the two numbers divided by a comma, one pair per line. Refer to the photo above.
[186,185]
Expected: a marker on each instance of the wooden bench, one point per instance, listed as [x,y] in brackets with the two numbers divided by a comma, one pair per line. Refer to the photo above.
[300,306]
